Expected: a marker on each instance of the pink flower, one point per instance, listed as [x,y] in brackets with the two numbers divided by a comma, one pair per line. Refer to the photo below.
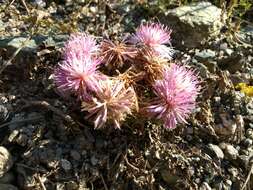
[80,46]
[112,104]
[176,95]
[154,36]
[78,76]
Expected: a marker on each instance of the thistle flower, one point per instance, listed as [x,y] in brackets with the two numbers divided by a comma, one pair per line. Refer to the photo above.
[113,103]
[176,96]
[115,54]
[80,46]
[154,36]
[78,76]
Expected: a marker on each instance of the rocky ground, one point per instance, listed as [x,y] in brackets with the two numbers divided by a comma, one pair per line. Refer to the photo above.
[46,144]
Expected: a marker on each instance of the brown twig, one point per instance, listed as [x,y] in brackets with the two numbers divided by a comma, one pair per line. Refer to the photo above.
[129,164]
[31,168]
[105,186]
[45,104]
[22,121]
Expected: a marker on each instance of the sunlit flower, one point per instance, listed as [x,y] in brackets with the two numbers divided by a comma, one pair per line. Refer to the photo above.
[112,104]
[176,95]
[115,54]
[80,46]
[155,37]
[78,76]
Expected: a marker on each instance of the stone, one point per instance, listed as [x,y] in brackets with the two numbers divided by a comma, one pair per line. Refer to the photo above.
[247,142]
[194,23]
[6,161]
[39,3]
[215,150]
[249,133]
[8,187]
[11,44]
[66,165]
[230,152]
[75,155]
[204,54]
[28,54]
[94,160]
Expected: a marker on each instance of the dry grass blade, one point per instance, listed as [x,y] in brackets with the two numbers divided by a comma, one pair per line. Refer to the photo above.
[247,182]
[45,104]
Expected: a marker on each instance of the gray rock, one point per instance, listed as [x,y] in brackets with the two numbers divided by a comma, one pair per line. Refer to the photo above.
[246,34]
[249,133]
[194,23]
[39,3]
[6,161]
[94,160]
[28,54]
[204,55]
[230,152]
[214,150]
[8,187]
[66,165]
[247,142]
[32,44]
[75,155]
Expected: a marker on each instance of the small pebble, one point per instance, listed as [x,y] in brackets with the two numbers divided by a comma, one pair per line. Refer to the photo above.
[94,160]
[249,133]
[247,142]
[75,155]
[231,152]
[66,165]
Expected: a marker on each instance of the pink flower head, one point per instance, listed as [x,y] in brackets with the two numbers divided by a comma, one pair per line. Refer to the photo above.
[176,95]
[154,36]
[80,46]
[78,76]
[113,103]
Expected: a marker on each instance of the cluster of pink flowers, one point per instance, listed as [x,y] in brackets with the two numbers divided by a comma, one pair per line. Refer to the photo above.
[107,99]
